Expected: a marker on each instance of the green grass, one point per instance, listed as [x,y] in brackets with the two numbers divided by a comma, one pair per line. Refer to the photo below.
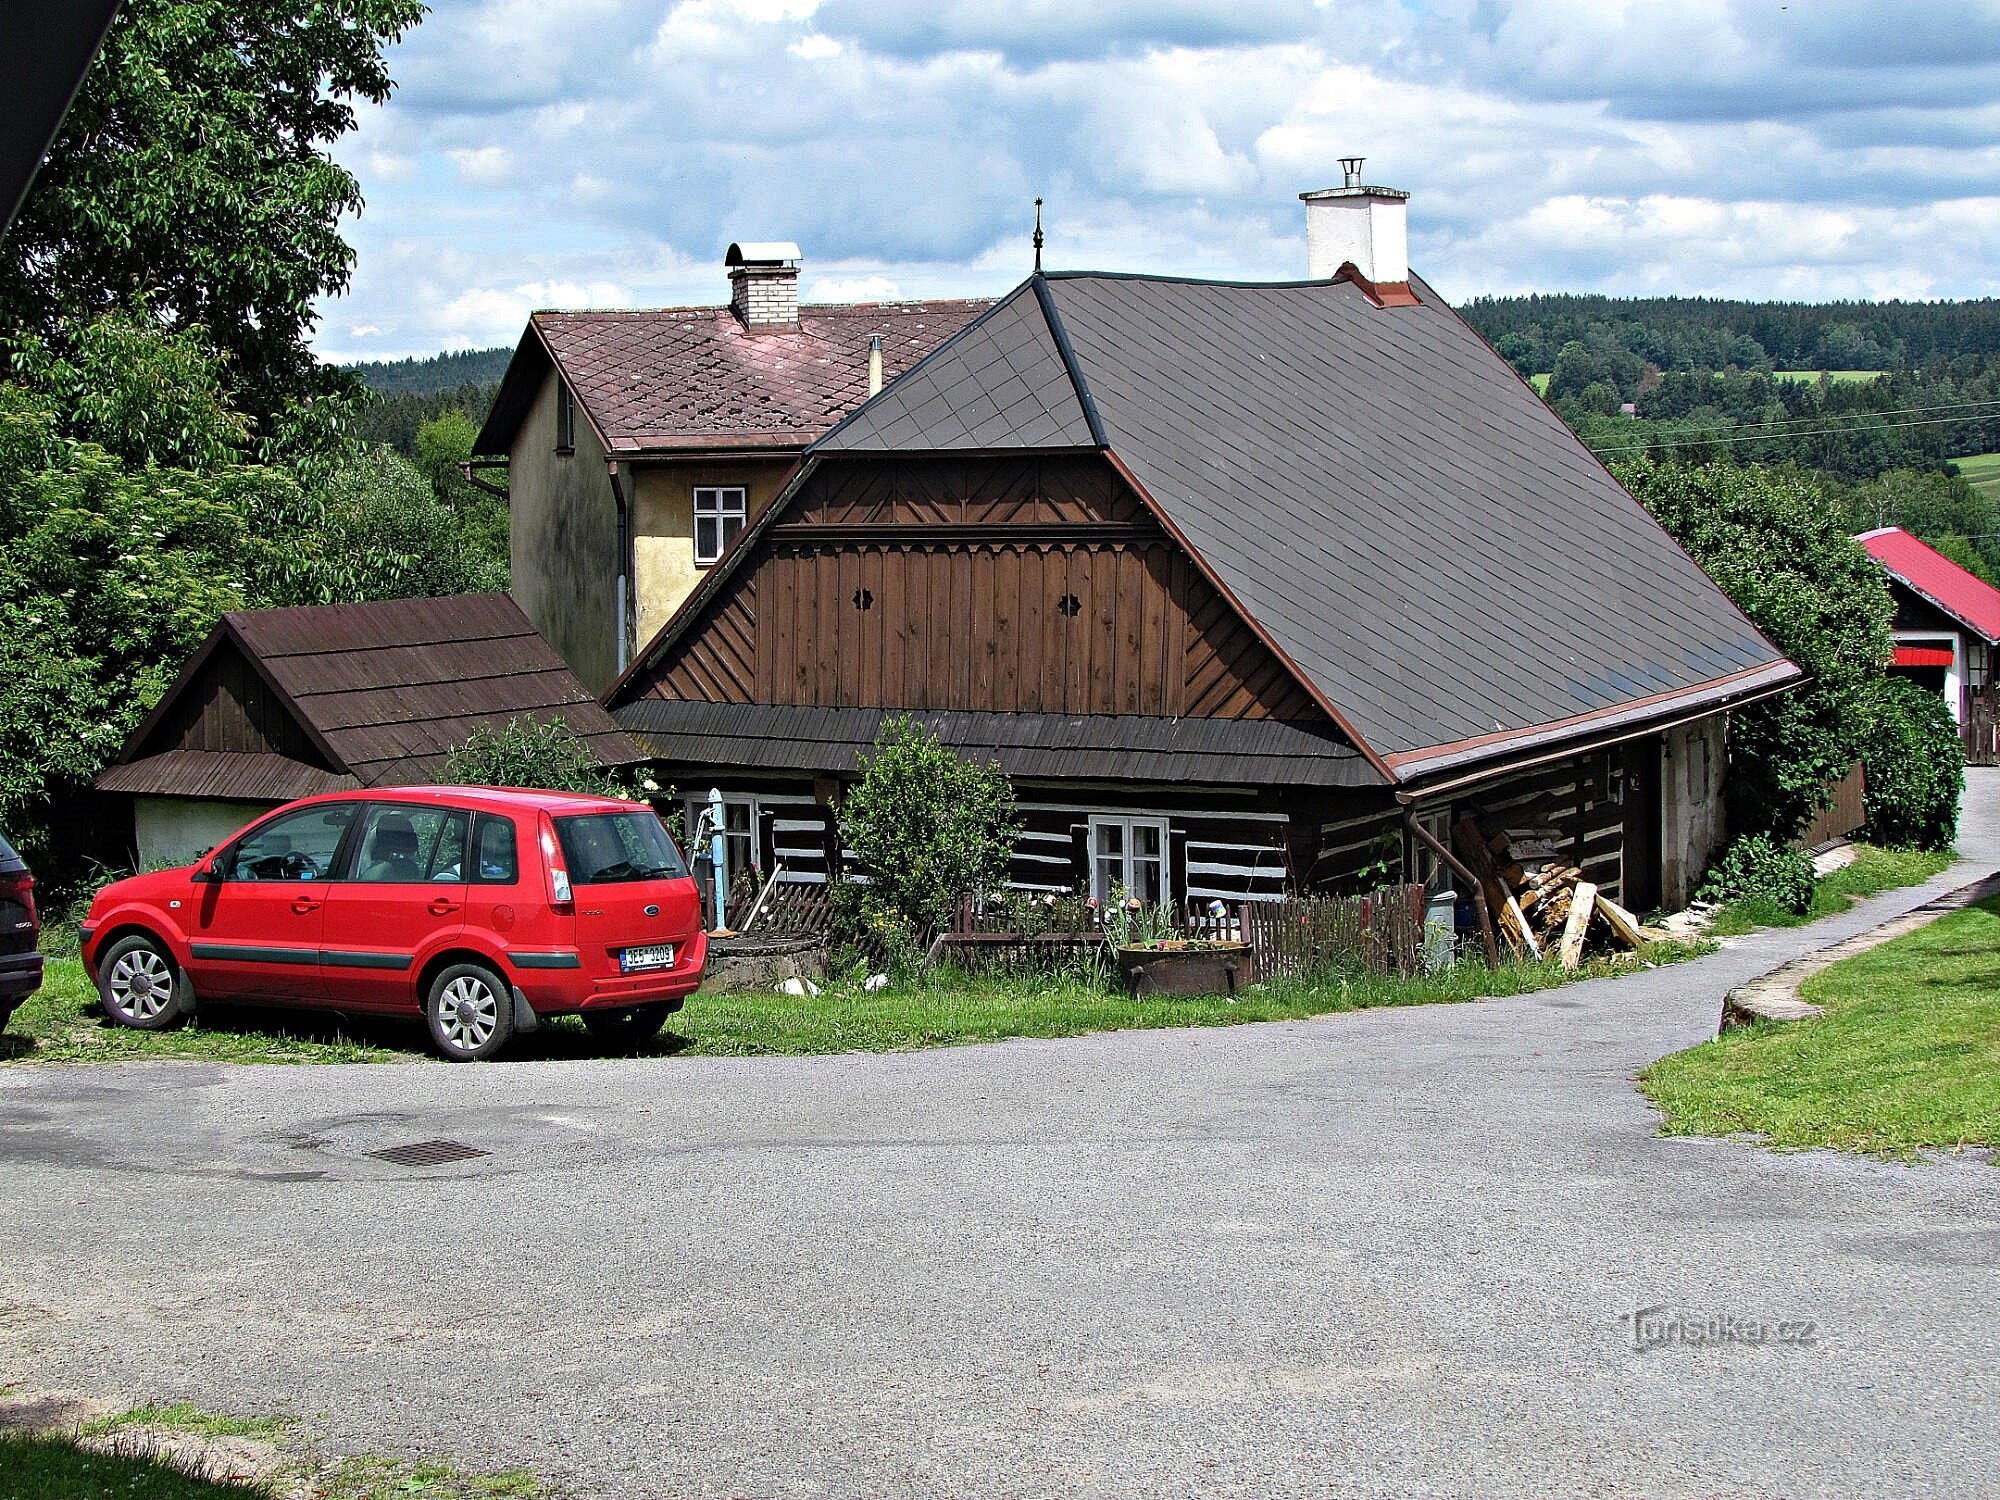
[942,1008]
[1838,376]
[1540,383]
[1873,871]
[1982,472]
[375,1478]
[1907,1058]
[185,1416]
[50,1467]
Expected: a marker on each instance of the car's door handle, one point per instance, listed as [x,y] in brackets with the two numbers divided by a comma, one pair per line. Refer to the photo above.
[303,906]
[443,908]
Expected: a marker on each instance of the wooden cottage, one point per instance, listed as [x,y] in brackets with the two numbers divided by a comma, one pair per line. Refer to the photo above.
[1248,586]
[1947,627]
[282,703]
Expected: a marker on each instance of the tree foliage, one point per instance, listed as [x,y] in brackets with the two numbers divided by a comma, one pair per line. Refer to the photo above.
[193,176]
[529,752]
[1914,765]
[929,826]
[1774,545]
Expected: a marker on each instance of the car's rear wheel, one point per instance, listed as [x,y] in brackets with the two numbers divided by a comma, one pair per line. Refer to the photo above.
[139,985]
[628,1028]
[471,1012]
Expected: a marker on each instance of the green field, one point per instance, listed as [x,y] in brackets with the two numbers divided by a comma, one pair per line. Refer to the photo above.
[1906,1058]
[1982,471]
[1838,375]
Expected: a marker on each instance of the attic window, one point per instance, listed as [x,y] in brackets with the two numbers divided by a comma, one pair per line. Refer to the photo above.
[565,418]
[718,516]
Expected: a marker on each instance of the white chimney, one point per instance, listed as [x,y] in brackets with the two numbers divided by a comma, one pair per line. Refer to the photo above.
[764,283]
[874,364]
[1366,227]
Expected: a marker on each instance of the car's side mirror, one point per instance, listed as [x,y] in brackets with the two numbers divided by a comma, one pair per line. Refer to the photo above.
[206,874]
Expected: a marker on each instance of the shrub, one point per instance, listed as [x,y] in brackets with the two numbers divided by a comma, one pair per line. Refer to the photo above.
[1915,766]
[1758,867]
[542,754]
[929,827]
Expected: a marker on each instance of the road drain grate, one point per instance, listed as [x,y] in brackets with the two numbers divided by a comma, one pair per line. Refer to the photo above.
[428,1153]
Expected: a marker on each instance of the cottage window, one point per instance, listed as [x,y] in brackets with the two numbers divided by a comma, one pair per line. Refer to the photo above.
[1129,852]
[565,418]
[718,515]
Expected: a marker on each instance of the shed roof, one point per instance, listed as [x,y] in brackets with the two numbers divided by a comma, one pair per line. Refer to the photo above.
[1386,500]
[1920,567]
[682,379]
[380,691]
[1122,747]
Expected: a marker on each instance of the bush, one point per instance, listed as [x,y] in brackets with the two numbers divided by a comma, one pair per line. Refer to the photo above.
[546,755]
[929,827]
[1758,867]
[1915,766]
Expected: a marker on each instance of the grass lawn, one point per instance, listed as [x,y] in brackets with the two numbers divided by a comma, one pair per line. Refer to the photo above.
[61,1024]
[1907,1057]
[1982,472]
[1873,871]
[143,1454]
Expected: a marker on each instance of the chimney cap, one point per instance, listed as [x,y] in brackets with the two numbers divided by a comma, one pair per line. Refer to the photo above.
[1357,191]
[763,253]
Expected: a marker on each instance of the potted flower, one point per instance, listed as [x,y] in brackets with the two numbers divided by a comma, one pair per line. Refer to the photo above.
[1156,958]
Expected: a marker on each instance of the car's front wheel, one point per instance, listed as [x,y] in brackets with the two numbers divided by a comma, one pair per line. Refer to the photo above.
[139,984]
[628,1028]
[471,1012]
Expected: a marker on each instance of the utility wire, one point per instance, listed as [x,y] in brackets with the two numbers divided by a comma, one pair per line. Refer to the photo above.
[1824,416]
[1765,437]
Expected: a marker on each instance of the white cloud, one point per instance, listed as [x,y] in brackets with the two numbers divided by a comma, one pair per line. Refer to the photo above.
[614,147]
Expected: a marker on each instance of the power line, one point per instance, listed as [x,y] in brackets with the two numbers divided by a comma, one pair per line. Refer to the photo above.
[1785,422]
[1765,437]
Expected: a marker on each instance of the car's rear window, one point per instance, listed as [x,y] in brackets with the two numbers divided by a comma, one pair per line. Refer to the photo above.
[608,848]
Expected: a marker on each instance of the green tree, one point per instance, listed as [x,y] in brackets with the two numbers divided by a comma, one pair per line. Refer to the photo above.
[529,752]
[1776,546]
[443,445]
[929,827]
[193,175]
[1915,765]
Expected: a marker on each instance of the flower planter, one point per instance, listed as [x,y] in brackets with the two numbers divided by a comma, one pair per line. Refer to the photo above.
[1186,968]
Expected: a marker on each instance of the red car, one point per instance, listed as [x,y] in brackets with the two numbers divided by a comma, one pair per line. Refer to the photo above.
[483,909]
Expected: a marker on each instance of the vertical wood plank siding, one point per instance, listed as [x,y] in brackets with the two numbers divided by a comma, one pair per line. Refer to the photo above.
[229,707]
[1080,606]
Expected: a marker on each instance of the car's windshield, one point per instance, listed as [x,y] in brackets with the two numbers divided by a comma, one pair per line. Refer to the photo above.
[605,848]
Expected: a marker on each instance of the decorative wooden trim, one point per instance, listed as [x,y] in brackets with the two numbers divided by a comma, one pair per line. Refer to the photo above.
[961,533]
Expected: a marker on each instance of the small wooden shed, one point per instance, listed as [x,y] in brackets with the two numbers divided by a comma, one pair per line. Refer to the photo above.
[282,703]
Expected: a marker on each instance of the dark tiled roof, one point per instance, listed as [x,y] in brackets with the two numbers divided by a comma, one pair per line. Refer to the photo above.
[1388,501]
[382,690]
[223,774]
[1122,747]
[692,377]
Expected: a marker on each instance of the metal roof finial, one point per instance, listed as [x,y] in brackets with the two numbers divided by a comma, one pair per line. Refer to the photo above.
[1038,236]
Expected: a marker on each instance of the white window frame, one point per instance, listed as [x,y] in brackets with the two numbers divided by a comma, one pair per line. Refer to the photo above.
[722,504]
[1100,887]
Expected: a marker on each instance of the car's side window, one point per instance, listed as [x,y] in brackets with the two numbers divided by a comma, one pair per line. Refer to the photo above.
[298,846]
[496,857]
[411,845]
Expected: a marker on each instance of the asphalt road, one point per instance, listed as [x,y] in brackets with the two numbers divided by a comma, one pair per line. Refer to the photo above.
[1383,1254]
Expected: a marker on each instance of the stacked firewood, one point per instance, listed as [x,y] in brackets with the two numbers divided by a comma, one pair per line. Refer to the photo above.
[1544,908]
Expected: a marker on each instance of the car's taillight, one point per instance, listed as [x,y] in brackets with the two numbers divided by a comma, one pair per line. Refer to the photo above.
[20,887]
[552,861]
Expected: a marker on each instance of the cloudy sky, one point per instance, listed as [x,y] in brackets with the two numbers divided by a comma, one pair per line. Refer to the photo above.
[605,152]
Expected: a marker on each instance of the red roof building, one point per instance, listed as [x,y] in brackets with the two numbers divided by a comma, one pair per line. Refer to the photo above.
[1947,619]
[637,444]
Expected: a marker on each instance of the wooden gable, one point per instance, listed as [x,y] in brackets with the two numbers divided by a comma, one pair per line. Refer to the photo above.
[1036,583]
[227,705]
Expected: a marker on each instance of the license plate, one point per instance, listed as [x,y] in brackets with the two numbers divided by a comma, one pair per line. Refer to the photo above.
[652,956]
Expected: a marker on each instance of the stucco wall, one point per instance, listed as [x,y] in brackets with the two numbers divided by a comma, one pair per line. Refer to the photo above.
[663,527]
[173,830]
[564,526]
[1691,815]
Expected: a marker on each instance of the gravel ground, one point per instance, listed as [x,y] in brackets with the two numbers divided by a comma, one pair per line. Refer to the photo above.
[1382,1254]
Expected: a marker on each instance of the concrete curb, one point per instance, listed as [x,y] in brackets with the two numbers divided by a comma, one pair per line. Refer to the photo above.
[1775,996]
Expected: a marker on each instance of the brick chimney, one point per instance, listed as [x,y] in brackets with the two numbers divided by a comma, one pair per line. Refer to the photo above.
[764,284]
[1365,227]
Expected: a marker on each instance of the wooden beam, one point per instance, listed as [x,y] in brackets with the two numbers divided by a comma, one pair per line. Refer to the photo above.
[1578,924]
